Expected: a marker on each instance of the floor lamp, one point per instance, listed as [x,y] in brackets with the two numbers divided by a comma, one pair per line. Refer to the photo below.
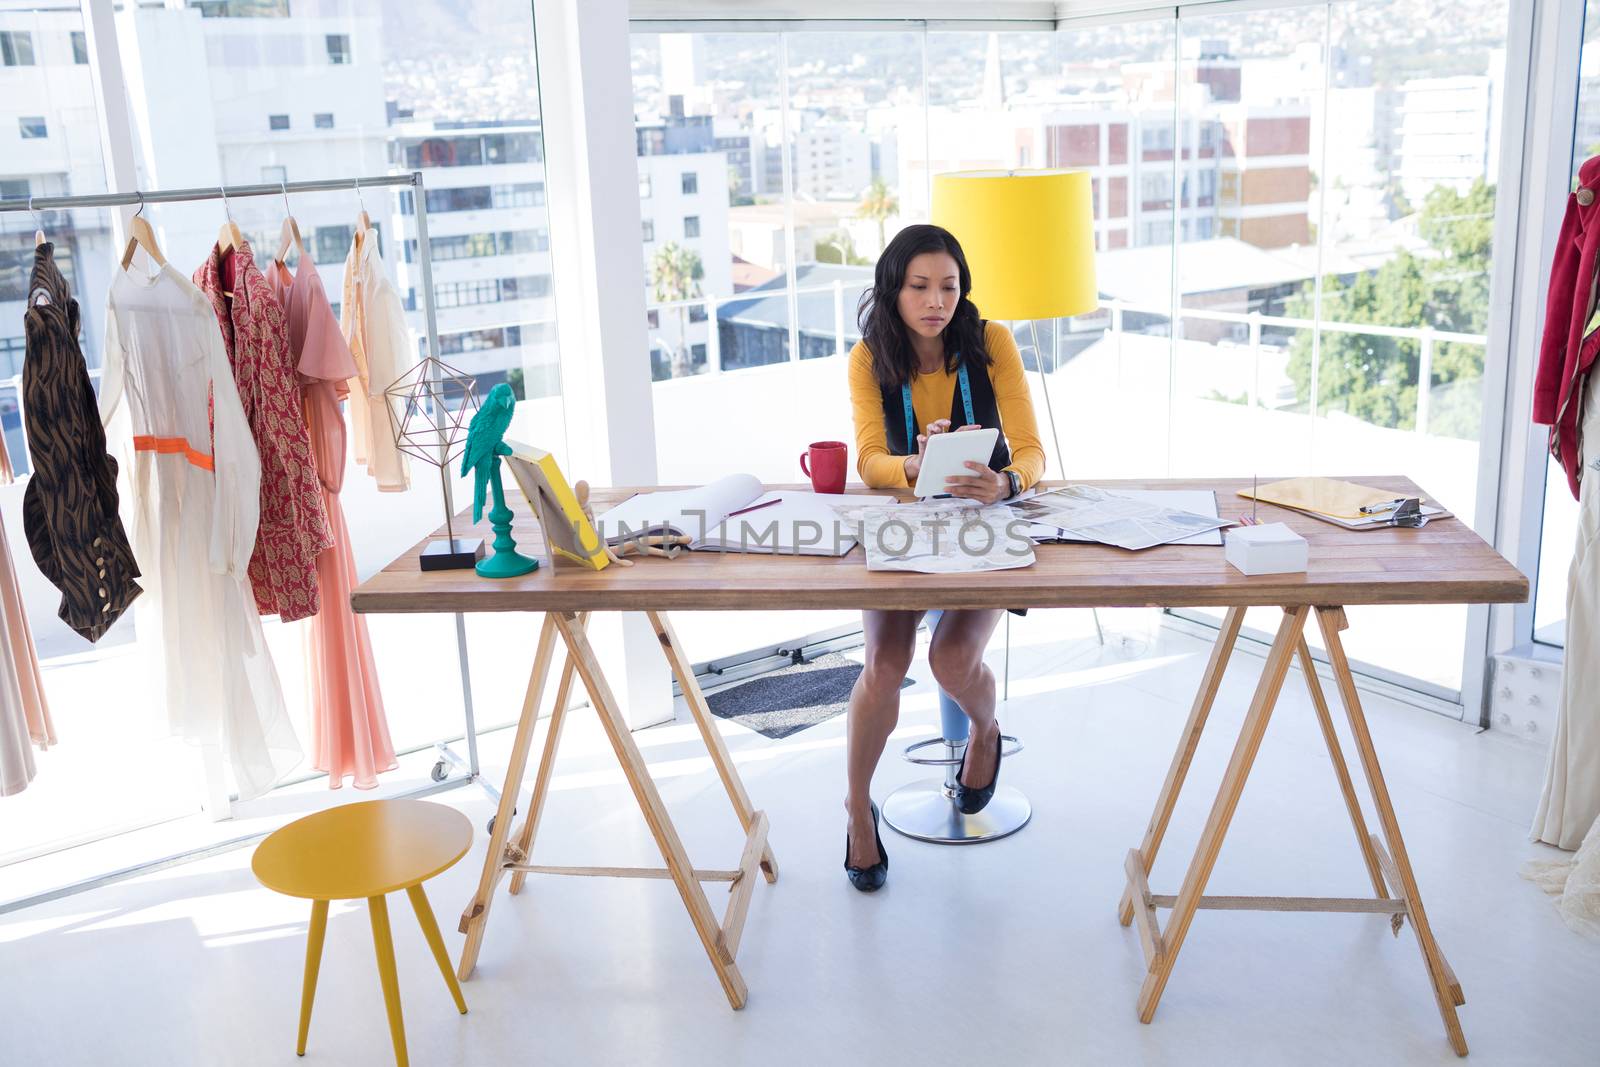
[1029,239]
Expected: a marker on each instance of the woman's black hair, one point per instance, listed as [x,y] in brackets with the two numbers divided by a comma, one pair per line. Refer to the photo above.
[884,331]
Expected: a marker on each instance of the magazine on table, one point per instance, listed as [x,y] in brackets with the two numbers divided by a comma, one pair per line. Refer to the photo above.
[1089,513]
[943,537]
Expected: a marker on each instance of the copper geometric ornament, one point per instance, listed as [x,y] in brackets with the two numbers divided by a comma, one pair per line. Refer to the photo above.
[430,406]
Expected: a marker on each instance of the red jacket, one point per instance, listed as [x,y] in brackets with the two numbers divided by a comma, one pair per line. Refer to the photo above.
[1566,355]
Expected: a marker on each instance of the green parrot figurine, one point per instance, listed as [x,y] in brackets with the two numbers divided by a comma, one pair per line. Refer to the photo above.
[485,446]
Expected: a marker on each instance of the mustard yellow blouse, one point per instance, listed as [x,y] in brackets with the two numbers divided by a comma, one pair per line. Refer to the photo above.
[931,397]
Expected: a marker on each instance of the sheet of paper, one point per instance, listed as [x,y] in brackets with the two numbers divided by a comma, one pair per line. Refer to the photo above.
[1112,518]
[935,538]
[687,511]
[1197,501]
[799,523]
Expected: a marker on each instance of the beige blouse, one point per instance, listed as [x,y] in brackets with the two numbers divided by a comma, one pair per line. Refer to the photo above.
[373,320]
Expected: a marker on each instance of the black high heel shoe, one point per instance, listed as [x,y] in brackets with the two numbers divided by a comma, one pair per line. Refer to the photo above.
[868,879]
[969,799]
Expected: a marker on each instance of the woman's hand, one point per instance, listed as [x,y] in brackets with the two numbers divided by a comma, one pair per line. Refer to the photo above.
[913,464]
[983,485]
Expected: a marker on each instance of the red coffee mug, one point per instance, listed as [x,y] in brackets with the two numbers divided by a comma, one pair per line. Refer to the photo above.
[826,469]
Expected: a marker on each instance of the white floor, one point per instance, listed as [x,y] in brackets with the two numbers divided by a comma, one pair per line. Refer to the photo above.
[1008,952]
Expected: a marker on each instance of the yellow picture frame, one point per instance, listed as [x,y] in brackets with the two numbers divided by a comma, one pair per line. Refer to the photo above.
[567,530]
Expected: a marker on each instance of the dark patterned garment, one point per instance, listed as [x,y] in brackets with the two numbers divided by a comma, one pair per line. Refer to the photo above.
[69,510]
[294,520]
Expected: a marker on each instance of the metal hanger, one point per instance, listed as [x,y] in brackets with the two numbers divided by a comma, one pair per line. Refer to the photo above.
[38,233]
[363,221]
[229,237]
[290,234]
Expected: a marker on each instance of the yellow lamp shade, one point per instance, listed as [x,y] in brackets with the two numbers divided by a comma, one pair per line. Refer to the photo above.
[1028,236]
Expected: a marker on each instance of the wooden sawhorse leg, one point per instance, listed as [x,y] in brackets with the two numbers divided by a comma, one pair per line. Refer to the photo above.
[1161,945]
[1210,682]
[720,940]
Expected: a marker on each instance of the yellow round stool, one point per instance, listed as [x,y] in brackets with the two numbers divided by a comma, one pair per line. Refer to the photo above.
[367,850]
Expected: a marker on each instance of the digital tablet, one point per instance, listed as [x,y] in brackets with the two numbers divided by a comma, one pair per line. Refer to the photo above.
[946,454]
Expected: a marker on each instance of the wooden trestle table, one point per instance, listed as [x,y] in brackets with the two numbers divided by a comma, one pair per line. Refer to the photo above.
[1442,563]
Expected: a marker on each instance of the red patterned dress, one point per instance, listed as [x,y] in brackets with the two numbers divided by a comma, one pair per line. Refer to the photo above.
[294,523]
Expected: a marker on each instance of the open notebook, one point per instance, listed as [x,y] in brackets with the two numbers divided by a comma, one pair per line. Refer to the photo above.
[800,523]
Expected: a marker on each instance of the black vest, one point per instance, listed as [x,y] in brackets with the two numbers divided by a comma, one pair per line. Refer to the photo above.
[985,412]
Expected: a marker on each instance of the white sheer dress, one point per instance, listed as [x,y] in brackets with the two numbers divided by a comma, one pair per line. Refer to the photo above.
[191,504]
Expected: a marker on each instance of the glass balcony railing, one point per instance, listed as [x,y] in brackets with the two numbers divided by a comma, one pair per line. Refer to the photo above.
[827,317]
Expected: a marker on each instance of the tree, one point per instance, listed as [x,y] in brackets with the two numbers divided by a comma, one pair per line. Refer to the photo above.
[675,274]
[879,205]
[838,247]
[738,195]
[1374,378]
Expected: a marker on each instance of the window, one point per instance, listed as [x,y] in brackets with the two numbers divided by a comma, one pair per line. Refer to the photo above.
[323,120]
[460,246]
[652,319]
[691,183]
[15,189]
[522,194]
[242,9]
[32,127]
[697,313]
[524,242]
[331,244]
[466,294]
[16,48]
[296,59]
[531,287]
[1155,188]
[445,152]
[453,344]
[649,230]
[465,198]
[691,225]
[1156,136]
[80,48]
[513,148]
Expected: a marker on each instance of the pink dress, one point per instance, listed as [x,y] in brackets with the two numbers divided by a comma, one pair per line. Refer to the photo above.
[24,714]
[294,530]
[349,731]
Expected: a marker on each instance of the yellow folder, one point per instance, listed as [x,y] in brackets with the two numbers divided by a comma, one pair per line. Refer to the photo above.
[1322,496]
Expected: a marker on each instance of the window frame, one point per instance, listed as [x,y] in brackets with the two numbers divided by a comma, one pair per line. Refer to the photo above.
[11,55]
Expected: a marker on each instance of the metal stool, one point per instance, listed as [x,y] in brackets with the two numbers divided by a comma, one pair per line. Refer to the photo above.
[927,810]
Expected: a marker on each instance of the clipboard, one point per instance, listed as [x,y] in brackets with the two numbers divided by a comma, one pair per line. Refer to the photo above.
[1328,497]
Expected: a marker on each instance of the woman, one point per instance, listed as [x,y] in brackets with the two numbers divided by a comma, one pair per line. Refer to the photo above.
[924,347]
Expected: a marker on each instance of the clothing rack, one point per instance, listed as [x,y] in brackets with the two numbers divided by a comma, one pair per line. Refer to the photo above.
[448,758]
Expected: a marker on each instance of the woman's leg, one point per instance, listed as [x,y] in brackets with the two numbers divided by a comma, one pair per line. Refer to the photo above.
[956,656]
[891,638]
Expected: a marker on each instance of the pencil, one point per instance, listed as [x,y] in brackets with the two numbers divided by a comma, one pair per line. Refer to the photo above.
[756,507]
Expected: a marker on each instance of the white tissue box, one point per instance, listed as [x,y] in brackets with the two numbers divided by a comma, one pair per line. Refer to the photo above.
[1271,548]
